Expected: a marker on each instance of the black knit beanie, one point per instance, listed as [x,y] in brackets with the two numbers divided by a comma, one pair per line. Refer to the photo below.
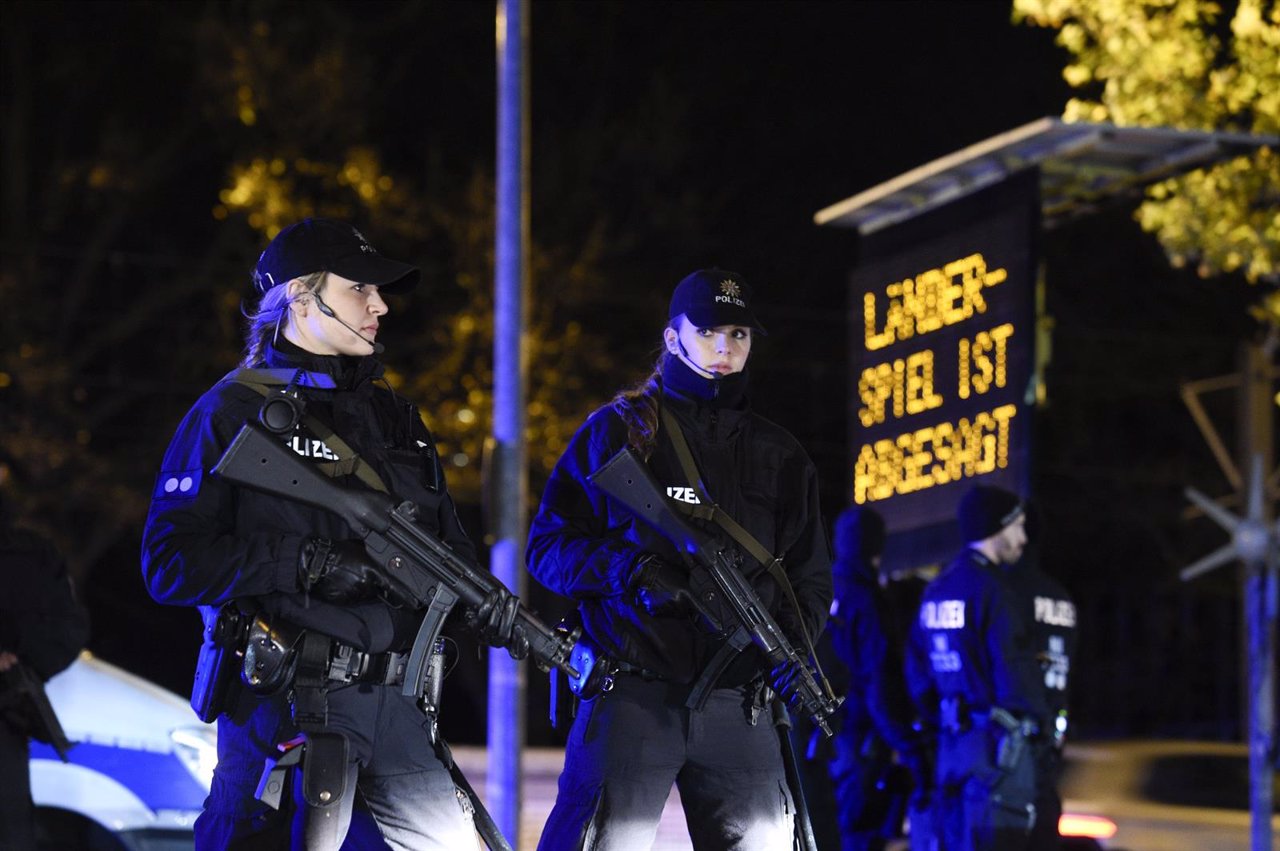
[985,510]
[859,534]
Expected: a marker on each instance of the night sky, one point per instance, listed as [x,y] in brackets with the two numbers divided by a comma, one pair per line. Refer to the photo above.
[692,134]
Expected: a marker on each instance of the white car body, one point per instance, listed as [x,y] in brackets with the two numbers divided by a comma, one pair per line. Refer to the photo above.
[140,764]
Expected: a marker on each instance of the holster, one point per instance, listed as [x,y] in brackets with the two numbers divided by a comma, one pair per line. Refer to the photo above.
[1013,746]
[219,660]
[596,673]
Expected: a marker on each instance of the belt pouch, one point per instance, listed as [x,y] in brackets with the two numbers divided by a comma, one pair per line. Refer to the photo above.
[324,769]
[219,659]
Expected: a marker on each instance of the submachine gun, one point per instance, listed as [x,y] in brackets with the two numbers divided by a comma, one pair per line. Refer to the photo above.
[414,561]
[724,595]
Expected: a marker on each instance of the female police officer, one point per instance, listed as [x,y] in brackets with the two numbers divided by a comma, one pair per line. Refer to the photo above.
[293,571]
[628,745]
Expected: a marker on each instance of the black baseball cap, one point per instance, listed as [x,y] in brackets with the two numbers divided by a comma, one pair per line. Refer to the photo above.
[714,297]
[323,245]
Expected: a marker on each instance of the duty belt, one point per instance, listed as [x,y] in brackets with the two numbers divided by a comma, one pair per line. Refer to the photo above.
[349,665]
[643,673]
[957,717]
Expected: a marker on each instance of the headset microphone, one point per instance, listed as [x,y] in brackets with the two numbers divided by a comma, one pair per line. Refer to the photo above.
[378,348]
[705,373]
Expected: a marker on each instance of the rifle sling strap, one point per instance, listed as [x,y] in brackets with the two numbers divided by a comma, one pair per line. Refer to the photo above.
[349,463]
[709,510]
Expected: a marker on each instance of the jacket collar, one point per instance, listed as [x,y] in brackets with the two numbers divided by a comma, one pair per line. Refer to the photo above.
[347,372]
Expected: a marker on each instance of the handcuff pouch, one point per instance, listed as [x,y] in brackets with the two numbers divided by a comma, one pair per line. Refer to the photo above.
[270,656]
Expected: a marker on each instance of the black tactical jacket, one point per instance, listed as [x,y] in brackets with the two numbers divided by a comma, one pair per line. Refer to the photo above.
[860,633]
[207,542]
[971,640]
[582,545]
[1051,615]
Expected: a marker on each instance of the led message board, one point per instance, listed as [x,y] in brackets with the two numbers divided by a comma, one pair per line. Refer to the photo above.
[942,330]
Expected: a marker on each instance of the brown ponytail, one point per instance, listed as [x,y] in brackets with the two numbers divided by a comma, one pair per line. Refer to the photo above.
[638,407]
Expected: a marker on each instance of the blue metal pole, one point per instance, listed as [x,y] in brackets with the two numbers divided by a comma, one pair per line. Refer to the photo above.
[506,733]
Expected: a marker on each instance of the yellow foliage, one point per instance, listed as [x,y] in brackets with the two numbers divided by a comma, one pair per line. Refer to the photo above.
[1161,63]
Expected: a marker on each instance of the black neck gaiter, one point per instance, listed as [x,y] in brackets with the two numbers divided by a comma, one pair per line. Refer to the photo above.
[727,391]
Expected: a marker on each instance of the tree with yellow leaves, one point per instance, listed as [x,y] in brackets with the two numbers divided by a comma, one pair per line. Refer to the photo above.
[1169,63]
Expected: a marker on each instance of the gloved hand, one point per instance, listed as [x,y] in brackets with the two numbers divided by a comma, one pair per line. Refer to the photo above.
[786,680]
[495,622]
[661,588]
[341,572]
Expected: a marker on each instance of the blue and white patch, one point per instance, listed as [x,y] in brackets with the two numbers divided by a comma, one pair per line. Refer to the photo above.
[183,484]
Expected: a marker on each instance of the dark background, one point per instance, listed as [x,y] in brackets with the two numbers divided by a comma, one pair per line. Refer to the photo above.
[665,137]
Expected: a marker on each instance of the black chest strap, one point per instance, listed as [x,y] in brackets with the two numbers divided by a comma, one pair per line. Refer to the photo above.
[707,509]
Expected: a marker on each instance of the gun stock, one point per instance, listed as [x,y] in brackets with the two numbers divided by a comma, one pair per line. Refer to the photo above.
[258,459]
[423,567]
[720,587]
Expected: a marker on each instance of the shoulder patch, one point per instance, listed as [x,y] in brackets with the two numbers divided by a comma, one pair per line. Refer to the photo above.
[177,484]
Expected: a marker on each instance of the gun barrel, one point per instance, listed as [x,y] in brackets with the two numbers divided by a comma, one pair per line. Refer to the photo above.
[472,585]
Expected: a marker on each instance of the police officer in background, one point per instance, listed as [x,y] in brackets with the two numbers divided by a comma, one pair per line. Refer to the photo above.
[42,628]
[971,670]
[1052,615]
[876,716]
[293,584]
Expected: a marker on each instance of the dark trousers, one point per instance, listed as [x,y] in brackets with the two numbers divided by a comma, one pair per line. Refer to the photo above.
[1044,834]
[17,816]
[403,786]
[981,807]
[854,773]
[628,746]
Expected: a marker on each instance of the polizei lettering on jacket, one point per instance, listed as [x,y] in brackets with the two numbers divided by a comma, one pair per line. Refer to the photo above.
[943,614]
[310,447]
[1055,612]
[683,493]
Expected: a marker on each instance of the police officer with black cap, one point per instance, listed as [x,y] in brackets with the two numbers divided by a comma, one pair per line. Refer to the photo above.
[971,670]
[629,745]
[322,634]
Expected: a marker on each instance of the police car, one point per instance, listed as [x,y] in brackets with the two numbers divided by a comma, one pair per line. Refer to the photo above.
[140,764]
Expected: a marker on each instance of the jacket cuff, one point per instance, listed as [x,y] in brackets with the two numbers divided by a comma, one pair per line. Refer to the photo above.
[620,581]
[286,578]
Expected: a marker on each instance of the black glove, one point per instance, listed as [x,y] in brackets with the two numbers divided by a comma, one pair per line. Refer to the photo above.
[341,572]
[786,680]
[661,588]
[495,622]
